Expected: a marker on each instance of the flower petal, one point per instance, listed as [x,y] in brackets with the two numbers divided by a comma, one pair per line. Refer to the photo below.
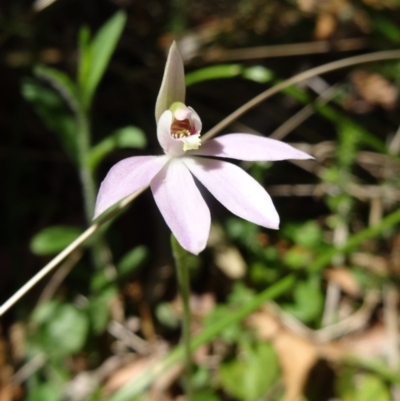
[249,147]
[235,189]
[173,88]
[182,206]
[126,177]
[170,145]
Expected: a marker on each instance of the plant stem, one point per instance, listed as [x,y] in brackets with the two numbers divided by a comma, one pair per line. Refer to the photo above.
[87,181]
[183,276]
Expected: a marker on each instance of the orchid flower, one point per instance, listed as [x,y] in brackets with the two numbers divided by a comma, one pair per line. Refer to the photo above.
[170,176]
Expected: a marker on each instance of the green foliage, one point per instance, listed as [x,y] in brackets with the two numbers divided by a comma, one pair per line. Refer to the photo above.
[63,328]
[45,392]
[353,386]
[54,239]
[166,315]
[308,234]
[222,71]
[256,73]
[54,113]
[60,81]
[251,375]
[308,300]
[132,261]
[127,137]
[96,54]
[98,309]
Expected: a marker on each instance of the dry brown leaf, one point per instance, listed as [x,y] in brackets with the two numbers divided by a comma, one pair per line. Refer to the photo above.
[325,26]
[296,355]
[374,89]
[376,264]
[369,343]
[344,279]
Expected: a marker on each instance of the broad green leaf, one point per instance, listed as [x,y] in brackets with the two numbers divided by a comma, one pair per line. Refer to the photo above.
[54,113]
[99,311]
[166,315]
[213,72]
[53,239]
[45,392]
[251,375]
[298,257]
[372,388]
[132,261]
[308,300]
[127,137]
[206,395]
[44,312]
[308,234]
[66,332]
[97,56]
[354,386]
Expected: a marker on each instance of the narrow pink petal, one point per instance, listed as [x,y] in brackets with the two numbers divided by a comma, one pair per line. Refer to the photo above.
[173,88]
[235,189]
[126,177]
[171,146]
[249,147]
[182,206]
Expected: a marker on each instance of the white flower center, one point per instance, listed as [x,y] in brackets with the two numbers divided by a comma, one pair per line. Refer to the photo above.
[186,126]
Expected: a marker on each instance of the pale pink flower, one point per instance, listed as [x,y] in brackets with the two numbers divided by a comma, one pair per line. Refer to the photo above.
[171,176]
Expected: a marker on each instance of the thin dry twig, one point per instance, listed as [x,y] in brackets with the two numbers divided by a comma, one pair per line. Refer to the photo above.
[67,251]
[357,321]
[292,49]
[59,276]
[323,69]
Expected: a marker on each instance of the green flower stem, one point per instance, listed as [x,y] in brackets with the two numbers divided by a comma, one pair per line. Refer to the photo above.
[183,276]
[100,258]
[86,177]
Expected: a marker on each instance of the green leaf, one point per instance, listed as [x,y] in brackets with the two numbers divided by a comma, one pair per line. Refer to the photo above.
[206,395]
[308,300]
[166,315]
[127,137]
[62,83]
[53,239]
[45,392]
[96,56]
[308,234]
[44,312]
[371,388]
[353,386]
[66,332]
[259,74]
[213,72]
[247,378]
[99,311]
[85,54]
[132,260]
[298,257]
[52,109]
